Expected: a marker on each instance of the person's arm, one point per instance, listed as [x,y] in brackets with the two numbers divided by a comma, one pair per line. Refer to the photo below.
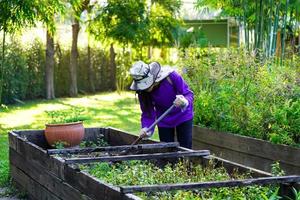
[147,117]
[181,87]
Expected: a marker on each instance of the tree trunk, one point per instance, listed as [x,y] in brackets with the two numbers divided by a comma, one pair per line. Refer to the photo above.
[90,69]
[112,67]
[2,64]
[73,59]
[149,52]
[50,66]
[298,44]
[103,78]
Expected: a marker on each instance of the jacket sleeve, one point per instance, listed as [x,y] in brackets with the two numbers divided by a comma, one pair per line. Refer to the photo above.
[147,116]
[182,87]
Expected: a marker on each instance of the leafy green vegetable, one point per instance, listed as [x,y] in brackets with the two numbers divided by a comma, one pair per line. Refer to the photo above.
[66,115]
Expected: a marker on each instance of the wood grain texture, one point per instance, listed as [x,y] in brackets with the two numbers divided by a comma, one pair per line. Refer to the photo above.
[248,151]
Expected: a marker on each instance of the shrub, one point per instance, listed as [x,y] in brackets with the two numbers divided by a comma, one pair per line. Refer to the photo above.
[35,59]
[236,93]
[15,70]
[24,71]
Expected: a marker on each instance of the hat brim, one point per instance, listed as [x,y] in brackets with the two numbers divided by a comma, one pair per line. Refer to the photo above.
[143,84]
[148,81]
[164,72]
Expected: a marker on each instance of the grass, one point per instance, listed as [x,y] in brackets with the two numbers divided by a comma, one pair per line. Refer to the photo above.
[102,110]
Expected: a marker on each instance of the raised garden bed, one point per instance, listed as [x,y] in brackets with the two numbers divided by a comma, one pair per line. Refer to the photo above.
[248,151]
[72,173]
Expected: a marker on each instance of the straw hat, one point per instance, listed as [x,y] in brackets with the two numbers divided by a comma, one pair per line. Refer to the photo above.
[145,75]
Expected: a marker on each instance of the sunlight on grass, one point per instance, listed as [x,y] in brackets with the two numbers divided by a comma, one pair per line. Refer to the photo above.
[102,110]
[115,110]
[4,170]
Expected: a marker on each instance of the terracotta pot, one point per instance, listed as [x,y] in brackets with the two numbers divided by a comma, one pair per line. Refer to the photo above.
[70,134]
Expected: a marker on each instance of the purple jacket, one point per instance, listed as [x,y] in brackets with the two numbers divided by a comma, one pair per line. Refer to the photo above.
[163,97]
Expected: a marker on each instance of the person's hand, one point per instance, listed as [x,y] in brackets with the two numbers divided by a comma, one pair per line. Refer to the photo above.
[144,133]
[181,102]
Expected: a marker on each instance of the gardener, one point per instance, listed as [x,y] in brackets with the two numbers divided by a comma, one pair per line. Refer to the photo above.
[158,88]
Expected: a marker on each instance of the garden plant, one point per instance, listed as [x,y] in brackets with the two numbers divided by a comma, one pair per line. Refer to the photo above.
[147,173]
[236,93]
[250,85]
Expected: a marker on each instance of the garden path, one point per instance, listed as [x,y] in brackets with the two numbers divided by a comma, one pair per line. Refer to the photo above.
[2,192]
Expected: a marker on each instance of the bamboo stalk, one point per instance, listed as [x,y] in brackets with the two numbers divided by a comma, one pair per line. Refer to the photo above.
[284,30]
[270,31]
[245,25]
[275,28]
[260,26]
[256,24]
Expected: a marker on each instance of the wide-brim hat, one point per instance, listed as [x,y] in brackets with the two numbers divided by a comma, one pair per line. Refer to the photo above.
[164,72]
[145,75]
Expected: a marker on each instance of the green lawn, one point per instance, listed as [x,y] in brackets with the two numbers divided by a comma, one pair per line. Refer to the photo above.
[106,109]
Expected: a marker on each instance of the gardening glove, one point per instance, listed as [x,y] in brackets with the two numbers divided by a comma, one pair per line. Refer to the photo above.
[145,133]
[181,102]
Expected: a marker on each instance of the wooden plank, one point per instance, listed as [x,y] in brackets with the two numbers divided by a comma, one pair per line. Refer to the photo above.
[21,189]
[36,155]
[92,134]
[154,156]
[32,187]
[245,159]
[248,146]
[213,184]
[117,137]
[35,136]
[113,148]
[38,136]
[232,167]
[96,188]
[46,178]
[20,147]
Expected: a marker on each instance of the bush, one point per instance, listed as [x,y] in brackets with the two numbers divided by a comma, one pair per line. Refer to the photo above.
[24,71]
[35,59]
[16,76]
[236,93]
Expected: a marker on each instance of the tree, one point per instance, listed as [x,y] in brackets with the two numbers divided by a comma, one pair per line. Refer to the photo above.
[50,9]
[124,22]
[15,15]
[78,7]
[91,76]
[49,66]
[134,23]
[164,21]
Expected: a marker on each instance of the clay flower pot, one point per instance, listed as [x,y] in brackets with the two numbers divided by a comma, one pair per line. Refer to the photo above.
[70,134]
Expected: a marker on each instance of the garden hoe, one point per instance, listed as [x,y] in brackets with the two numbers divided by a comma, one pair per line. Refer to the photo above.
[148,129]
